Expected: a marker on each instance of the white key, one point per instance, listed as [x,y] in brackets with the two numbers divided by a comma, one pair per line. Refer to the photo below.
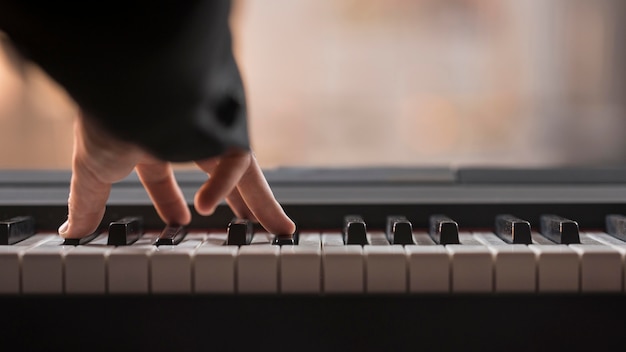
[42,267]
[538,238]
[171,267]
[129,266]
[616,244]
[310,239]
[301,269]
[586,239]
[468,239]
[377,238]
[332,239]
[557,268]
[343,269]
[85,268]
[515,268]
[261,238]
[472,268]
[600,268]
[514,264]
[423,239]
[385,269]
[194,236]
[429,268]
[489,239]
[10,257]
[257,268]
[216,239]
[215,265]
[607,239]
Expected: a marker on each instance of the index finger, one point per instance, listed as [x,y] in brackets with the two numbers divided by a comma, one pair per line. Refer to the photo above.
[259,198]
[86,203]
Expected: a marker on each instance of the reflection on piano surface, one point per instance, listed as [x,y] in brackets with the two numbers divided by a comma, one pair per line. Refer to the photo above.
[391,240]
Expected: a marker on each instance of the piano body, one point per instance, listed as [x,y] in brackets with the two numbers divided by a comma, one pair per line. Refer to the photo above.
[490,287]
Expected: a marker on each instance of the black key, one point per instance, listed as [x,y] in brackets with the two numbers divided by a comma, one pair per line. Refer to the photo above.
[559,229]
[354,230]
[125,231]
[399,230]
[240,232]
[80,241]
[171,235]
[282,239]
[16,229]
[616,226]
[512,229]
[444,230]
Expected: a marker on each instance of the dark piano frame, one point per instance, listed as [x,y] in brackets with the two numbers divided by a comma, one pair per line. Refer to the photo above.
[318,199]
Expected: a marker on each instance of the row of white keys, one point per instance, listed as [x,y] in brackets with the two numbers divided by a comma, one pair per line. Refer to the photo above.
[10,259]
[201,263]
[383,268]
[255,268]
[548,267]
[589,266]
[92,268]
[513,264]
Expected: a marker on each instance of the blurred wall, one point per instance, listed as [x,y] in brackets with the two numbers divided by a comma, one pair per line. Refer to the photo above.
[396,82]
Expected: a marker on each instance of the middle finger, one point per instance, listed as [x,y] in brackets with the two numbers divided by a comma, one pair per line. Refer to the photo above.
[222,181]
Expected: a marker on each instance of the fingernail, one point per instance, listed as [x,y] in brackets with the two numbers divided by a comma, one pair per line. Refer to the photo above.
[63,228]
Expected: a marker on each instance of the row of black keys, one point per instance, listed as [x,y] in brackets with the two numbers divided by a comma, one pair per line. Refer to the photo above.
[128,230]
[443,230]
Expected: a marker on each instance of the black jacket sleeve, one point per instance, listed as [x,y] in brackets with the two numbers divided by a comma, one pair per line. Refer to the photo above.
[162,76]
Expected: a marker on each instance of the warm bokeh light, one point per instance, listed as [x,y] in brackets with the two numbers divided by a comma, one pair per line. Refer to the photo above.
[368,82]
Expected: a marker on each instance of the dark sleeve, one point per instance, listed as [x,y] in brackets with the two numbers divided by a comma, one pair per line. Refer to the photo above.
[161,76]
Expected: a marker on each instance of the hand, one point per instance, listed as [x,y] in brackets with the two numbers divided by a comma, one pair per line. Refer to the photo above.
[99,160]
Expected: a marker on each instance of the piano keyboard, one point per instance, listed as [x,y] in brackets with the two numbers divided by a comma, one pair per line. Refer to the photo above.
[434,259]
[351,260]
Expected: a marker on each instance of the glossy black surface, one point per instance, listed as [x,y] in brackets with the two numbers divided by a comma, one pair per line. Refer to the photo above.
[171,235]
[284,240]
[354,230]
[16,229]
[239,232]
[80,241]
[399,230]
[125,231]
[512,229]
[443,229]
[559,229]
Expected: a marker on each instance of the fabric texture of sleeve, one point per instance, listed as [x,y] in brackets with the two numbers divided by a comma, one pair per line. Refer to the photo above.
[162,76]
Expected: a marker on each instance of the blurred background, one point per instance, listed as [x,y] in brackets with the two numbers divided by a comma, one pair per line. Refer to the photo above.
[394,83]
